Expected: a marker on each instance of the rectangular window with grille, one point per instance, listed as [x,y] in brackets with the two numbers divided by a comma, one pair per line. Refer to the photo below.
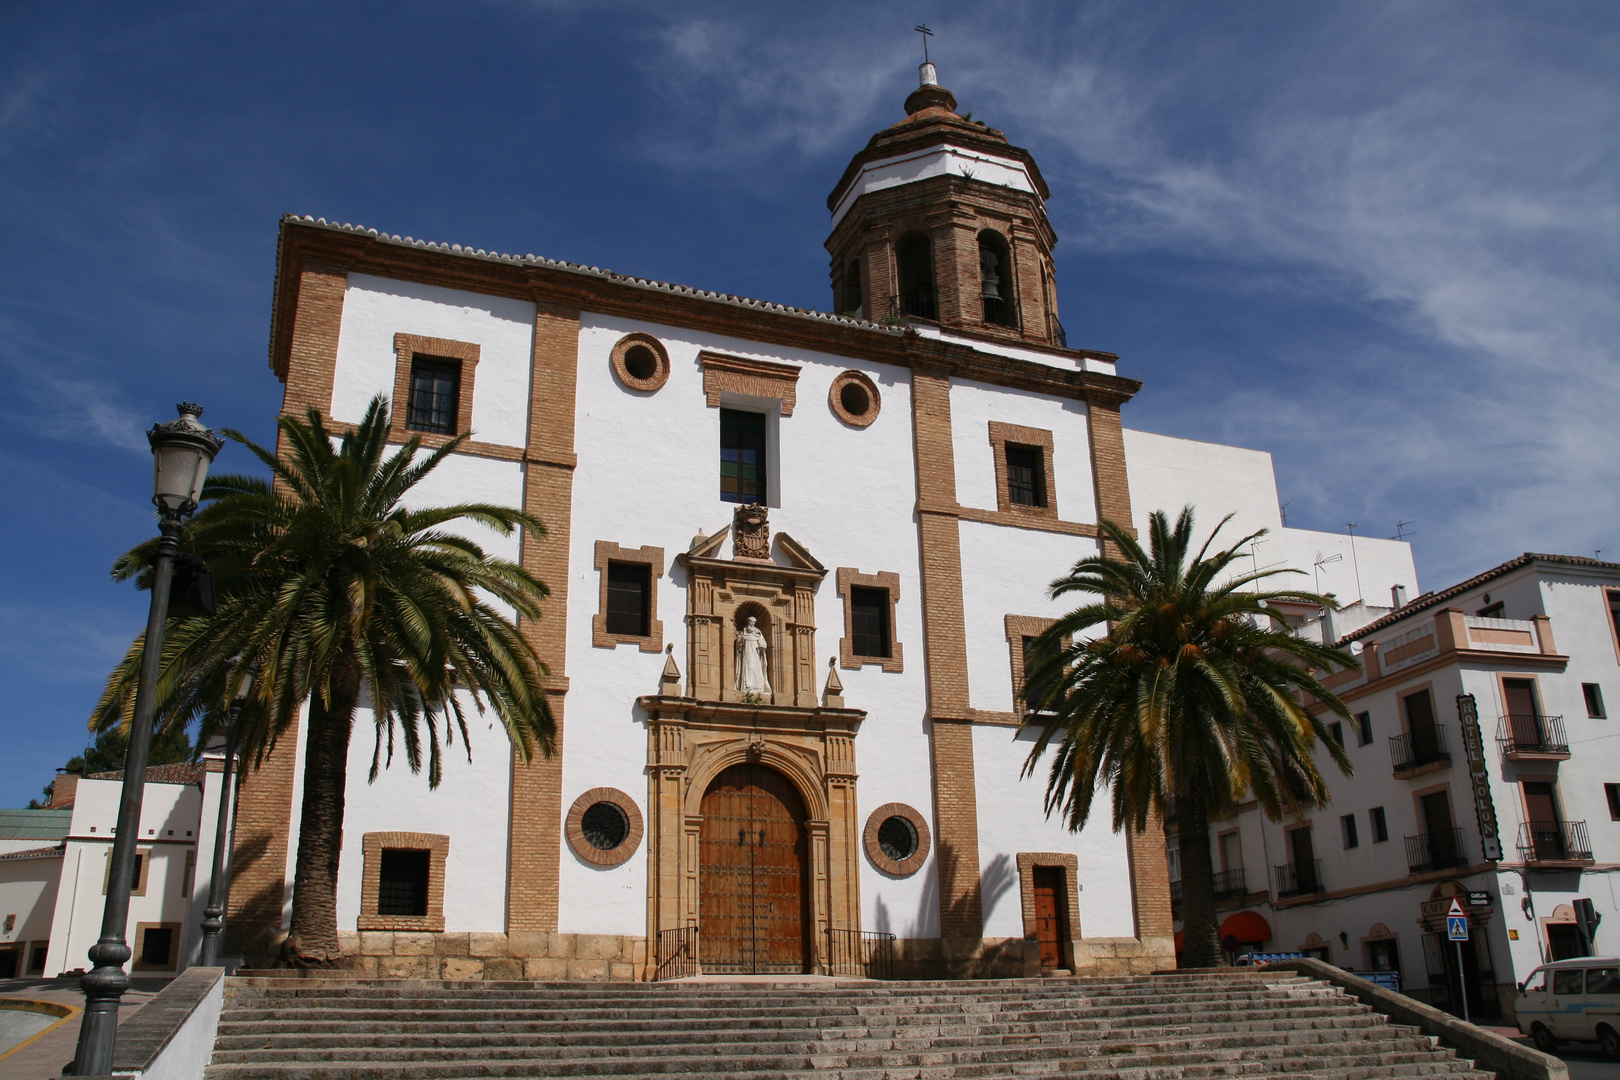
[1026,475]
[869,621]
[435,395]
[628,592]
[402,882]
[156,945]
[742,456]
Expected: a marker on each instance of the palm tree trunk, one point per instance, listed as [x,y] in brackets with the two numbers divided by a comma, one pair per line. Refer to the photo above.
[313,938]
[1200,945]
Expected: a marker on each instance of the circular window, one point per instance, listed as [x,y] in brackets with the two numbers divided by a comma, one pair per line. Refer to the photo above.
[896,839]
[640,362]
[604,827]
[854,399]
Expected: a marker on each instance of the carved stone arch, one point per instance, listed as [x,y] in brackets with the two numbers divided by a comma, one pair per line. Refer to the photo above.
[713,759]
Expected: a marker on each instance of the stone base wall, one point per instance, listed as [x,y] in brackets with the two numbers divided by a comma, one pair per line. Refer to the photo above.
[538,956]
[399,954]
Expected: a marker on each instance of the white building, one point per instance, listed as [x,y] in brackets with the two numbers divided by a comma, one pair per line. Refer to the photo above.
[53,888]
[1485,769]
[886,494]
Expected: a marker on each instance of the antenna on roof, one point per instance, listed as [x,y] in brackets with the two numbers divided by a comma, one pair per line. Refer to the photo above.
[1321,562]
[1283,512]
[1353,560]
[1400,529]
[922,28]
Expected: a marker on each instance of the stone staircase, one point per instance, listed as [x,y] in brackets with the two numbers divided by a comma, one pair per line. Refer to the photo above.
[1132,1028]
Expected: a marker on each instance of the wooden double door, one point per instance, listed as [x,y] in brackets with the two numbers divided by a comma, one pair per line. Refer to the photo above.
[753,880]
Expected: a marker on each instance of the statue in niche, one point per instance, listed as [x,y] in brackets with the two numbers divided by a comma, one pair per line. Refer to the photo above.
[752,672]
[751,532]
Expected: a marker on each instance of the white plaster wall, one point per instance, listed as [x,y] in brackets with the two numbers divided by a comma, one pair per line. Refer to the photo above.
[974,405]
[1377,564]
[1017,352]
[1006,571]
[28,892]
[375,309]
[1167,473]
[1012,819]
[648,475]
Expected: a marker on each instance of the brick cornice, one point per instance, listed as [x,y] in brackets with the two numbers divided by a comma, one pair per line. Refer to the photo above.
[307,245]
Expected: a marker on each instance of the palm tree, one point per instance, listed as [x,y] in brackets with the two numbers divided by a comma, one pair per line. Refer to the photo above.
[1190,695]
[333,588]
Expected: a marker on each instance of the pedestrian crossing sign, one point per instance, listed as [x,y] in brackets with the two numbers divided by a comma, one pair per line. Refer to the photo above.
[1456,928]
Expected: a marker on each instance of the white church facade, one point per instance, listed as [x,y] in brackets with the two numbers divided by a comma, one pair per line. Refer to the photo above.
[794,559]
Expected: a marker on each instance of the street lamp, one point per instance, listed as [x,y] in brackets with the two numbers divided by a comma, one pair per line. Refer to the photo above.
[219,886]
[182,450]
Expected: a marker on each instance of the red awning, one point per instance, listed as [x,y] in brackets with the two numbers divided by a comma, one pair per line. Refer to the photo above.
[1248,927]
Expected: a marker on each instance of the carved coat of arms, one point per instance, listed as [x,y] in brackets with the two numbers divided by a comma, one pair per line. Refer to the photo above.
[751,532]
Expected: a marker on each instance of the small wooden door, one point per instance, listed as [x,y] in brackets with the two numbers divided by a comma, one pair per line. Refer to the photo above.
[1546,829]
[1420,725]
[1304,851]
[1438,826]
[753,899]
[1051,915]
[1522,713]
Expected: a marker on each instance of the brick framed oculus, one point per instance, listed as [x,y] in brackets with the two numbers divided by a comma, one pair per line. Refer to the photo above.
[896,839]
[640,362]
[854,399]
[604,827]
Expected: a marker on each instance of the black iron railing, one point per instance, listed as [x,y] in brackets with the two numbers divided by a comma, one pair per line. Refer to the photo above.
[1435,851]
[920,303]
[1415,749]
[1054,330]
[1299,879]
[1229,883]
[864,954]
[999,311]
[677,952]
[1526,733]
[1554,841]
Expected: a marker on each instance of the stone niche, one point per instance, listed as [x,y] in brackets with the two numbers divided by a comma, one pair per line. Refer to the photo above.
[723,593]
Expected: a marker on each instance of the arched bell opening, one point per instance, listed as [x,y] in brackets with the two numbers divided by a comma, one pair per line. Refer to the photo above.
[996,280]
[914,258]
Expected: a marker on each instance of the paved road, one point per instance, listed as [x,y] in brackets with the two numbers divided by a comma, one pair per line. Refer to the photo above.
[43,1060]
[1585,1063]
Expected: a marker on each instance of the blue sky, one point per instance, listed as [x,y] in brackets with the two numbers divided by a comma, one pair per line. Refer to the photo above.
[1377,240]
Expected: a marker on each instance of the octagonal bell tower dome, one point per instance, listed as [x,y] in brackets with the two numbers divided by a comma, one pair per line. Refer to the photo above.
[941,219]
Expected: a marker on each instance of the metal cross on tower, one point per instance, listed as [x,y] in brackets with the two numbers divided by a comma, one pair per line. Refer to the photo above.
[922,28]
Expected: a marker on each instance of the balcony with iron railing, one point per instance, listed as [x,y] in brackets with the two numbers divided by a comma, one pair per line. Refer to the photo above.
[1528,737]
[1435,851]
[1554,842]
[1054,331]
[1412,751]
[1299,879]
[1229,884]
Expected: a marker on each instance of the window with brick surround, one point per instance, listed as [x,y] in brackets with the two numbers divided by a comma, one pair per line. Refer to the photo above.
[1023,464]
[433,388]
[1038,686]
[627,611]
[869,630]
[435,395]
[402,881]
[157,947]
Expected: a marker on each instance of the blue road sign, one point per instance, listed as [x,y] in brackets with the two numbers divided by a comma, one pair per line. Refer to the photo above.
[1456,928]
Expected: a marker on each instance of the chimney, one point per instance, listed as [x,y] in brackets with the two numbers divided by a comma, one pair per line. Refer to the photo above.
[63,789]
[1397,594]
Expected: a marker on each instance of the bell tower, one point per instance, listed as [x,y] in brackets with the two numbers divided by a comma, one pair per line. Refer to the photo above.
[941,219]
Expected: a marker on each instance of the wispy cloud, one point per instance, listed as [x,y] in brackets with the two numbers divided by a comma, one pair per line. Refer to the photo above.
[1450,171]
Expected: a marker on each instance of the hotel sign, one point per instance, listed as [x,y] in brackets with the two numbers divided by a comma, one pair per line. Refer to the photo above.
[1484,807]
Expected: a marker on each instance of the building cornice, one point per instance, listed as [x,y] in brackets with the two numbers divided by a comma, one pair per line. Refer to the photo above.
[306,243]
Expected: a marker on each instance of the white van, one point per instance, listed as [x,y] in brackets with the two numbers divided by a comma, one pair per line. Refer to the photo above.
[1572,999]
